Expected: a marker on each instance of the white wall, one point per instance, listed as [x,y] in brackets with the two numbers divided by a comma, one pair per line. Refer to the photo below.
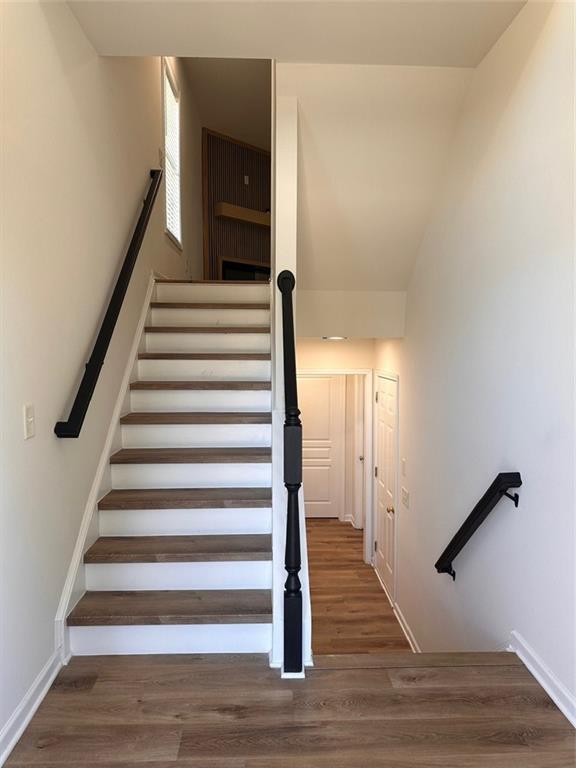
[373,141]
[80,134]
[487,365]
[354,314]
[348,354]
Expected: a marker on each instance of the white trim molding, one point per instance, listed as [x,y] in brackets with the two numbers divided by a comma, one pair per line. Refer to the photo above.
[25,711]
[404,626]
[555,688]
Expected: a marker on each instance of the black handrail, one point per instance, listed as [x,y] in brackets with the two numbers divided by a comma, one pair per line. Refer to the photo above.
[499,488]
[73,426]
[293,482]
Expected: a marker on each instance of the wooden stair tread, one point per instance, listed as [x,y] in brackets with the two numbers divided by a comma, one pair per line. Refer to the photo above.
[227,329]
[192,456]
[180,549]
[206,384]
[214,282]
[186,498]
[206,305]
[197,417]
[252,606]
[204,356]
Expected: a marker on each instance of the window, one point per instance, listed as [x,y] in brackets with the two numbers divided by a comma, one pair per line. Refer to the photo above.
[172,156]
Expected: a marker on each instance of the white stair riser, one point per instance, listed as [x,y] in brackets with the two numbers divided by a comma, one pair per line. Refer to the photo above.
[207,342]
[196,292]
[196,435]
[166,400]
[194,317]
[158,576]
[194,370]
[191,475]
[151,639]
[184,522]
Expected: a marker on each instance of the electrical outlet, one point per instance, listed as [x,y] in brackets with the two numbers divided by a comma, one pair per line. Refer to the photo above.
[29,422]
[246,180]
[405,497]
[403,465]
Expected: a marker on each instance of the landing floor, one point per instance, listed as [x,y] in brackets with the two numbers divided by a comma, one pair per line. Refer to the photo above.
[350,611]
[394,710]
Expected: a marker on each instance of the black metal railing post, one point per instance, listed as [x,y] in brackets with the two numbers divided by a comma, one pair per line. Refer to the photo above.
[293,482]
[73,426]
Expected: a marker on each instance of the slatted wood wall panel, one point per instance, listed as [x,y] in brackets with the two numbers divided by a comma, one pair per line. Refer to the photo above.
[226,164]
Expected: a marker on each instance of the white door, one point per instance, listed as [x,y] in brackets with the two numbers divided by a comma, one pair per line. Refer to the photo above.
[386,410]
[322,403]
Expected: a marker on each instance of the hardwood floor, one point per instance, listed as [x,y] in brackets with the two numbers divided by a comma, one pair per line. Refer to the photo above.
[350,611]
[368,702]
[392,710]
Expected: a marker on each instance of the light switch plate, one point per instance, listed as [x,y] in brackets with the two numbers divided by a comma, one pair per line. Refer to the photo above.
[403,465]
[405,498]
[29,421]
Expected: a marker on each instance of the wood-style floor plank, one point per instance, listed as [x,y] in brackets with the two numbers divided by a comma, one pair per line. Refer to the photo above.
[180,549]
[211,606]
[192,456]
[186,498]
[350,611]
[197,417]
[235,712]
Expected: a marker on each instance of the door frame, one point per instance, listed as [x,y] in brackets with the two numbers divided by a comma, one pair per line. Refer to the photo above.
[367,374]
[395,378]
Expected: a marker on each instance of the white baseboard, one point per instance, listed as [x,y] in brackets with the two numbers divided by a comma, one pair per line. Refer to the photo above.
[405,627]
[24,712]
[555,688]
[68,596]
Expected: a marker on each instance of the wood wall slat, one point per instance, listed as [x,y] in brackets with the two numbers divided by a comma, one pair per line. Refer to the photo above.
[227,163]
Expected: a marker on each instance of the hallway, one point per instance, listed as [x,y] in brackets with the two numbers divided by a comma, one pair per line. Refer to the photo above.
[350,611]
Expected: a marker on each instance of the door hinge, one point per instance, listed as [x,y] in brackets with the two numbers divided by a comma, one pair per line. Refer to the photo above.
[376,395]
[375,546]
[375,471]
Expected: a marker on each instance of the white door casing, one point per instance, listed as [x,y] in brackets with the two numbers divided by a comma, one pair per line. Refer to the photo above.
[322,403]
[386,464]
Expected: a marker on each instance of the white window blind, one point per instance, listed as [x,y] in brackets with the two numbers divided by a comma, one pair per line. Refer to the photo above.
[172,155]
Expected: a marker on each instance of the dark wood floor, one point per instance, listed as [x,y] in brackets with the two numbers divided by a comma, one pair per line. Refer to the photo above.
[350,611]
[394,710]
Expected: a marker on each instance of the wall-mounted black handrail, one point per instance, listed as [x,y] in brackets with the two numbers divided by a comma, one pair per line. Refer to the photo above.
[499,488]
[73,426]
[293,482]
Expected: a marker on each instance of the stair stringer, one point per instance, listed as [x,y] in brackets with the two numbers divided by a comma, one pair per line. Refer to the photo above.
[75,583]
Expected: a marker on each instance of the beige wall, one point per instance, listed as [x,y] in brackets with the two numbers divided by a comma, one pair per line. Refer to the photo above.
[80,134]
[487,364]
[355,314]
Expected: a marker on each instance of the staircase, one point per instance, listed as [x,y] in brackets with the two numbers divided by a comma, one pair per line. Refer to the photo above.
[183,561]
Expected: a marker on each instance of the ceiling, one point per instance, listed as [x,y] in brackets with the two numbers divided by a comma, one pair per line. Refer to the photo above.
[456,33]
[233,96]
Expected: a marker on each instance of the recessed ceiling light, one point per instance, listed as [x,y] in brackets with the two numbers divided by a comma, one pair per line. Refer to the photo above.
[334,338]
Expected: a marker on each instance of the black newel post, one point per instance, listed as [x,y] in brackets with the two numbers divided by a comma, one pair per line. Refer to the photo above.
[293,482]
